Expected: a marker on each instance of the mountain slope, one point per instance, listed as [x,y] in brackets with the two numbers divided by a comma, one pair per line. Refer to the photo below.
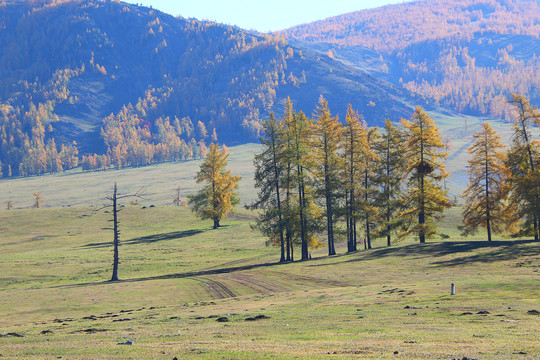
[466,54]
[67,66]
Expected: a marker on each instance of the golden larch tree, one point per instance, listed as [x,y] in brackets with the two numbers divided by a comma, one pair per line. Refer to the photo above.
[392,167]
[220,193]
[354,145]
[300,212]
[487,189]
[370,188]
[524,163]
[426,198]
[37,200]
[327,163]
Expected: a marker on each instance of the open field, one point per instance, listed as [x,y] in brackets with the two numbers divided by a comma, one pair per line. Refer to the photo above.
[458,130]
[160,181]
[75,187]
[180,277]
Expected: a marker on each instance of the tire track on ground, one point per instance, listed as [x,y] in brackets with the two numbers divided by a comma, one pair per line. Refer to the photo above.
[312,280]
[215,287]
[257,284]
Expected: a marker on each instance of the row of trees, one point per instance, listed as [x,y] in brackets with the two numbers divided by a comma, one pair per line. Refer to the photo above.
[504,186]
[349,175]
[27,146]
[321,176]
[131,140]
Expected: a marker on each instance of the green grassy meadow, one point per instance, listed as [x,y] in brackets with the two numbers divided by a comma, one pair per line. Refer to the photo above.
[179,277]
[160,181]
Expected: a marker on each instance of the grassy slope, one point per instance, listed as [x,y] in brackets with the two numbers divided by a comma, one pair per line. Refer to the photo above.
[160,181]
[459,130]
[55,261]
[77,188]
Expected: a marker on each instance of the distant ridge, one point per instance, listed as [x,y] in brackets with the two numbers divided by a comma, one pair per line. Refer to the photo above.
[66,66]
[397,26]
[468,55]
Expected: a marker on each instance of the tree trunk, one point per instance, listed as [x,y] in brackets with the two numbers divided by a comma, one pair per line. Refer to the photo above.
[421,215]
[422,221]
[348,221]
[329,215]
[388,192]
[301,203]
[422,169]
[288,207]
[289,247]
[388,239]
[351,201]
[216,223]
[488,205]
[368,235]
[536,228]
[280,217]
[355,241]
[536,216]
[116,236]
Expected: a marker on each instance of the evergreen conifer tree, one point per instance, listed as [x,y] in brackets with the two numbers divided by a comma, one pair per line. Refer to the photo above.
[370,188]
[392,167]
[300,207]
[269,171]
[354,144]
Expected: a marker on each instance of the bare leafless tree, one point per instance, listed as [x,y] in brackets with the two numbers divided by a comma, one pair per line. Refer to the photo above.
[114,198]
[178,201]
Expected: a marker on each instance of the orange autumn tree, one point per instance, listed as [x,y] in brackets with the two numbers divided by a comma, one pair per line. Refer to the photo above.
[219,195]
[487,189]
[524,163]
[426,198]
[326,156]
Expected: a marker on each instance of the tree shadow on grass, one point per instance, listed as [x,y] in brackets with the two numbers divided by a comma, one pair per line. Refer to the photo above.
[184,275]
[149,239]
[510,251]
[502,250]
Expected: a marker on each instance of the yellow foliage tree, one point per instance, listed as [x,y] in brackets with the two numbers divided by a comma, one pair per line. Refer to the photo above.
[219,196]
[487,188]
[426,198]
[524,164]
[327,159]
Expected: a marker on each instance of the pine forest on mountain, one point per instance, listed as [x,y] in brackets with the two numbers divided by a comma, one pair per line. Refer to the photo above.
[78,88]
[468,55]
[125,85]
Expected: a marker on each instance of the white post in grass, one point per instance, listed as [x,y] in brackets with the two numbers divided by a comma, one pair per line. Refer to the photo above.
[453,289]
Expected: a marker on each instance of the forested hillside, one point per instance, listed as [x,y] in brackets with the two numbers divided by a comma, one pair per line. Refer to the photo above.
[112,84]
[107,84]
[466,54]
